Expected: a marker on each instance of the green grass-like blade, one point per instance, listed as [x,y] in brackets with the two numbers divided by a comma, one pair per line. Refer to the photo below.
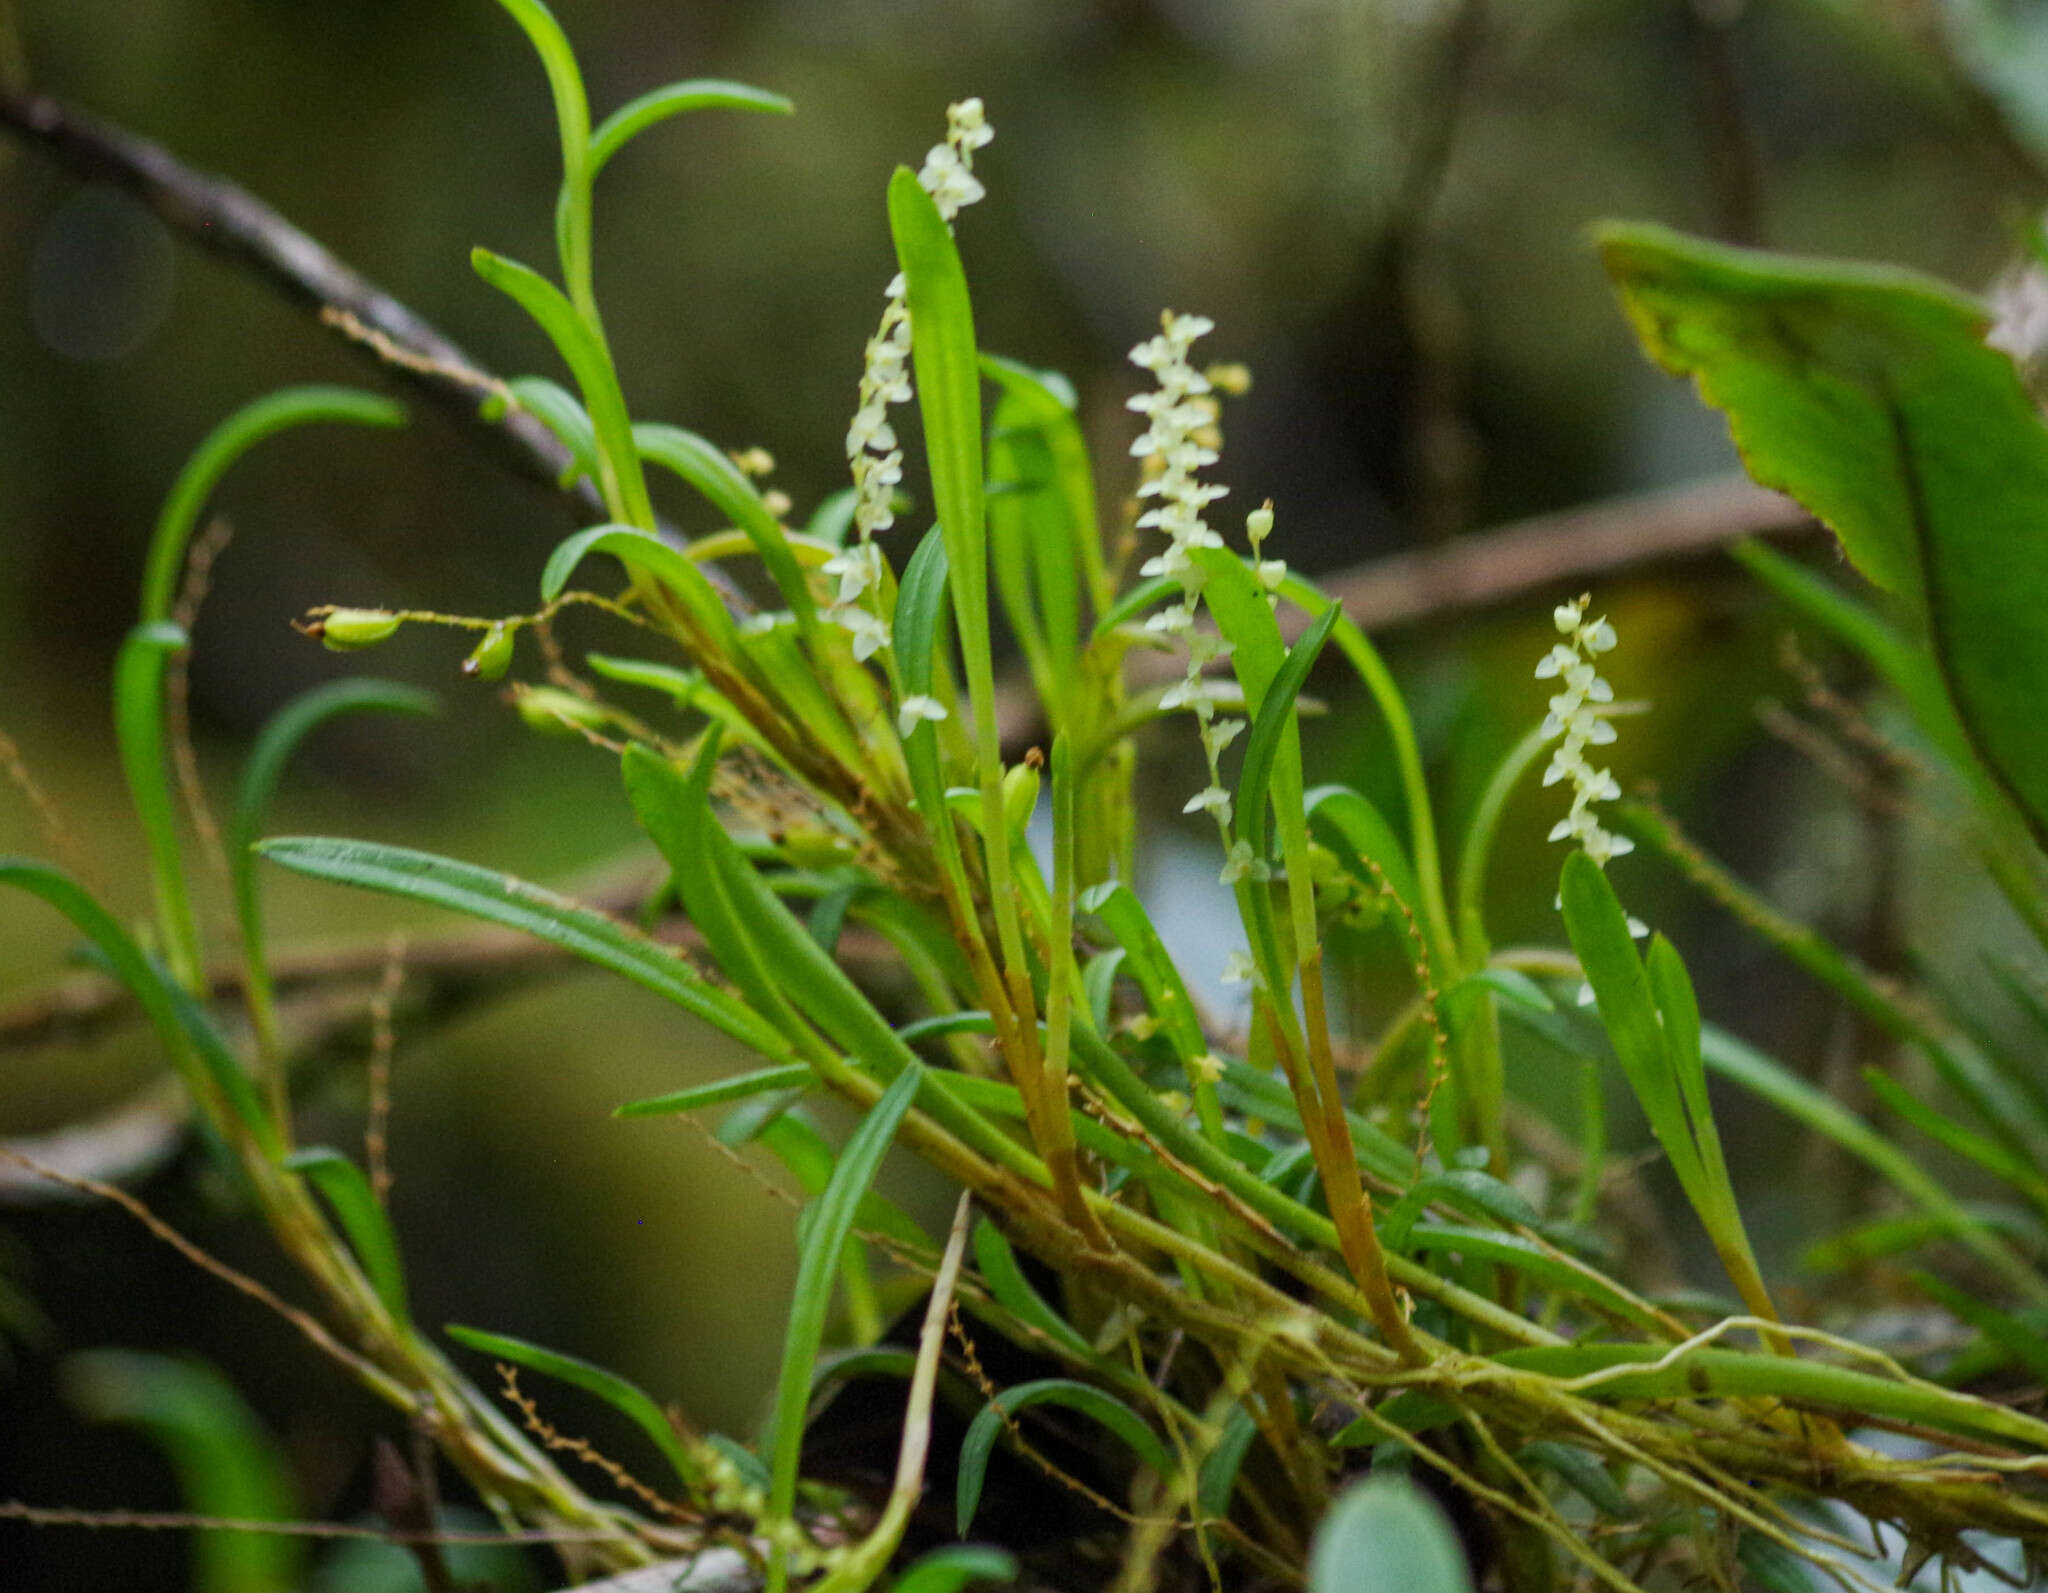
[189,1035]
[504,899]
[1013,1291]
[828,1224]
[1276,717]
[348,1193]
[739,1088]
[1558,1273]
[562,413]
[1105,1410]
[956,1566]
[1938,1126]
[619,477]
[227,1465]
[675,99]
[279,739]
[624,1397]
[140,729]
[1147,961]
[226,443]
[1349,825]
[2020,1344]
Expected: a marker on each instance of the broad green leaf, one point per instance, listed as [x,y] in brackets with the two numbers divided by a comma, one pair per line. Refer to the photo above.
[624,1397]
[675,99]
[1106,1410]
[1386,1536]
[504,899]
[180,1022]
[1870,396]
[354,1204]
[227,1465]
[227,442]
[739,1088]
[829,1223]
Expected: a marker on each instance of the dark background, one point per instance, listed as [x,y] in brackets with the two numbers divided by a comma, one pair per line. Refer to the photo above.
[1382,204]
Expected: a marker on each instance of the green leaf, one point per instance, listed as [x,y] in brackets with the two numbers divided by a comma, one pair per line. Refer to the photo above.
[2020,1343]
[181,1023]
[1106,1410]
[559,410]
[1013,1291]
[949,398]
[1945,1130]
[1147,961]
[1217,1478]
[227,442]
[1386,1536]
[504,899]
[1870,396]
[739,1088]
[674,99]
[624,1397]
[643,551]
[354,1204]
[226,1463]
[140,729]
[1349,825]
[949,1569]
[1773,1567]
[727,489]
[280,738]
[1558,1273]
[1578,1470]
[830,1221]
[1275,719]
[619,479]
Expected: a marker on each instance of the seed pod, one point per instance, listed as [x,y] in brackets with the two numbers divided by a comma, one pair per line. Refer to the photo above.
[492,656]
[553,711]
[348,630]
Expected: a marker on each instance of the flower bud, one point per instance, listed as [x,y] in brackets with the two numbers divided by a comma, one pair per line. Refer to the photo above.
[492,656]
[1020,797]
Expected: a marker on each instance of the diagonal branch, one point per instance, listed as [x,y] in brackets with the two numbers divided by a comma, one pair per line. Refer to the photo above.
[233,223]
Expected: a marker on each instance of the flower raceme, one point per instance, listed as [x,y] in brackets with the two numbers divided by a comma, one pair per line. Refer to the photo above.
[1574,715]
[871,449]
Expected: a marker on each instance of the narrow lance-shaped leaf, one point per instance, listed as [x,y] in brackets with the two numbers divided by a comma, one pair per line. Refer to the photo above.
[355,1206]
[504,899]
[676,99]
[1106,1410]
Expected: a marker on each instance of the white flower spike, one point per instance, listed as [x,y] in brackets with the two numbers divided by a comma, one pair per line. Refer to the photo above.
[1572,717]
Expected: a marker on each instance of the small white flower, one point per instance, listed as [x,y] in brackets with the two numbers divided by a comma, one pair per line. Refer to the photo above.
[1212,799]
[917,710]
[1208,1067]
[1219,733]
[1238,968]
[870,631]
